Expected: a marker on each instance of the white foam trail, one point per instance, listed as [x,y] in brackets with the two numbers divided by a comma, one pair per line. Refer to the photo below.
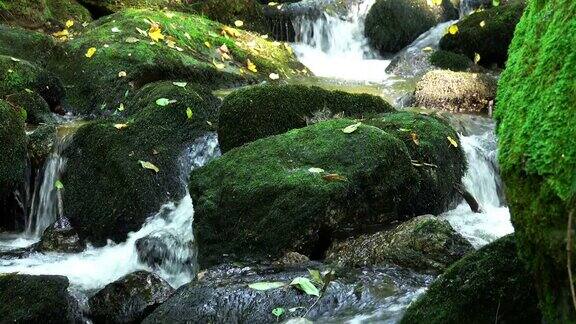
[332,46]
[483,182]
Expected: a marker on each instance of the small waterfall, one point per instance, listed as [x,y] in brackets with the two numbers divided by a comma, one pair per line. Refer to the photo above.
[46,200]
[334,45]
[170,228]
[483,182]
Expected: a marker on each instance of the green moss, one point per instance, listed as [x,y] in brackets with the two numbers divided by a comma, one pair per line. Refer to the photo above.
[536,115]
[108,195]
[261,199]
[450,61]
[489,285]
[426,138]
[28,45]
[227,12]
[393,24]
[12,162]
[490,41]
[37,110]
[42,13]
[94,81]
[256,112]
[34,299]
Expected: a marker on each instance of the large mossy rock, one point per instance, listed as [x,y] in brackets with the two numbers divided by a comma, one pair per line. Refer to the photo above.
[108,193]
[491,39]
[450,61]
[191,49]
[13,161]
[260,111]
[489,285]
[36,299]
[42,14]
[297,191]
[28,45]
[19,75]
[424,243]
[536,111]
[36,108]
[250,12]
[129,299]
[440,165]
[456,91]
[393,24]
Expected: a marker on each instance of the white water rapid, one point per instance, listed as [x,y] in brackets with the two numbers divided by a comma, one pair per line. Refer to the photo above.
[96,267]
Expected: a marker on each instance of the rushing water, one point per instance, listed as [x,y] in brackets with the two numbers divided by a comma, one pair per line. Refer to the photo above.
[96,267]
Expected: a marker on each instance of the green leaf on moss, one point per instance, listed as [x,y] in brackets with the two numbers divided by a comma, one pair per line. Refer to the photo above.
[266,285]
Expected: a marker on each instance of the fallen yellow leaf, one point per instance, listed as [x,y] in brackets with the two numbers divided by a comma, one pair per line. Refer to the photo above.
[415,139]
[207,44]
[122,74]
[482,23]
[149,166]
[333,177]
[120,126]
[274,76]
[62,33]
[155,32]
[476,58]
[219,66]
[90,52]
[453,30]
[69,23]
[351,129]
[238,23]
[452,141]
[251,66]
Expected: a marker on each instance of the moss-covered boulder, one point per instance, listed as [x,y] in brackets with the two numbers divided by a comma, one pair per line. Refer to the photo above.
[422,243]
[487,33]
[13,160]
[536,114]
[40,144]
[129,299]
[250,12]
[393,24]
[488,285]
[28,45]
[456,91]
[105,7]
[35,108]
[42,14]
[294,191]
[36,299]
[440,165]
[108,189]
[19,75]
[120,53]
[256,112]
[450,61]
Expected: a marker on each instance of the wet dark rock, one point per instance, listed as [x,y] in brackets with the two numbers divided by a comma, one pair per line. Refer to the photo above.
[222,295]
[60,237]
[40,145]
[164,250]
[422,243]
[36,299]
[130,298]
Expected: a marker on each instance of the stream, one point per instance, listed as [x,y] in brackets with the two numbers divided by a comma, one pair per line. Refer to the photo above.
[334,49]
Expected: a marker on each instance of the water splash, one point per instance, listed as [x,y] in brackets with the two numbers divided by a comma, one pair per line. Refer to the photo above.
[333,45]
[483,182]
[96,267]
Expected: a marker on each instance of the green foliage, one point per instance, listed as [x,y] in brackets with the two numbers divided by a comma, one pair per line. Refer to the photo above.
[256,112]
[393,24]
[536,115]
[265,285]
[491,41]
[450,61]
[489,285]
[306,286]
[278,311]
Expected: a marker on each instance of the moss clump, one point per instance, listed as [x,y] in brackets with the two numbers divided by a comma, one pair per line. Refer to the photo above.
[18,75]
[536,116]
[488,285]
[28,45]
[183,55]
[227,12]
[108,195]
[263,199]
[36,108]
[393,24]
[35,299]
[12,164]
[440,165]
[256,112]
[35,14]
[450,61]
[490,41]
